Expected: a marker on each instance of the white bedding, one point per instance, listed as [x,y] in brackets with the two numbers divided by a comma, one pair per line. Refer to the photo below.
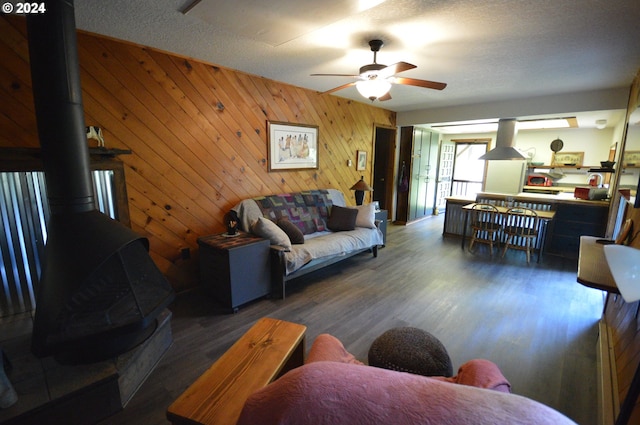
[330,244]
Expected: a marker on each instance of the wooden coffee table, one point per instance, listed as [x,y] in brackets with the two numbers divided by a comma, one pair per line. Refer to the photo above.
[268,350]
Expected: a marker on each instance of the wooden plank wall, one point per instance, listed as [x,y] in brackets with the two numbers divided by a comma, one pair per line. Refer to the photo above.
[623,321]
[197,132]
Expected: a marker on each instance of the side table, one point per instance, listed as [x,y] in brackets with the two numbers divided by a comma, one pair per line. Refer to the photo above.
[383,216]
[235,270]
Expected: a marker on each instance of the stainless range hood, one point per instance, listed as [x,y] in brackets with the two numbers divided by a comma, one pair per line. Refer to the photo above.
[505,140]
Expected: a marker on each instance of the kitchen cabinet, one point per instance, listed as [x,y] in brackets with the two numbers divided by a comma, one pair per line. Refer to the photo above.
[571,222]
[419,154]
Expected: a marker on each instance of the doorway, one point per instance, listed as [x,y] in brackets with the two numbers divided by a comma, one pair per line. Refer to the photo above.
[384,160]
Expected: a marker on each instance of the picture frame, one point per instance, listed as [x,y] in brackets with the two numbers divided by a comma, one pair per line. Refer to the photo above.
[567,159]
[291,146]
[631,159]
[361,160]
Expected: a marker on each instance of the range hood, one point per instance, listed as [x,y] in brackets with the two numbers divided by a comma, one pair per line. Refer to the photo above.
[505,140]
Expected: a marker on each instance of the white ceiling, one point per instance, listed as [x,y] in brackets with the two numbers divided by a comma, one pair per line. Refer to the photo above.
[485,50]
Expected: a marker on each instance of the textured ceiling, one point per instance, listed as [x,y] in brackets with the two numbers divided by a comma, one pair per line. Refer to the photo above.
[485,50]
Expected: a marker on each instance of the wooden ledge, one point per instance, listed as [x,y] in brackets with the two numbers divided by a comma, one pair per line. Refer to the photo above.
[266,351]
[593,270]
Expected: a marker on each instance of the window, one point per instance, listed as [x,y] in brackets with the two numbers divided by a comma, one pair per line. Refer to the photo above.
[468,171]
[24,213]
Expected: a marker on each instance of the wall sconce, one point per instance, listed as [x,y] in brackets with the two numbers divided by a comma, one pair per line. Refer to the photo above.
[360,187]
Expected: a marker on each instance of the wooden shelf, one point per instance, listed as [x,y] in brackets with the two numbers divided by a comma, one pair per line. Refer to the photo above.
[601,170]
[549,167]
[593,269]
[25,153]
[30,159]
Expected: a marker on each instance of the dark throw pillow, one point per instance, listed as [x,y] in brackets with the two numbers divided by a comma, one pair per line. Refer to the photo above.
[342,218]
[295,234]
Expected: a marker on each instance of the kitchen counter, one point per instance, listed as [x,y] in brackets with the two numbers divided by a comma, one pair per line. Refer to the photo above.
[560,198]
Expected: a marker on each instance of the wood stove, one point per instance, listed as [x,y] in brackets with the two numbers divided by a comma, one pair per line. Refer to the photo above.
[100,292]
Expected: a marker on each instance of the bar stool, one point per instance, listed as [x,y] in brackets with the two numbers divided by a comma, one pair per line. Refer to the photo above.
[485,225]
[521,227]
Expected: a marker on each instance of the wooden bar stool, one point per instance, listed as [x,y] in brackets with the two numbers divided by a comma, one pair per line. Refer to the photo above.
[521,226]
[485,225]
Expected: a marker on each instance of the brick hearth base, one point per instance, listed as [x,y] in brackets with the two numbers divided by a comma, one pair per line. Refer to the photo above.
[75,395]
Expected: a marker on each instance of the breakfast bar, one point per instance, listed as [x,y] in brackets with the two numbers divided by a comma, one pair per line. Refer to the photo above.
[545,217]
[566,218]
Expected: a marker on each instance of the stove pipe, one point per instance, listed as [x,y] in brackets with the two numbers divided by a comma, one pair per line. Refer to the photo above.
[55,74]
[100,291]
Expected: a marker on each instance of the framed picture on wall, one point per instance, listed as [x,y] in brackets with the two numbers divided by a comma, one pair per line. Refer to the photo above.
[631,159]
[567,158]
[292,146]
[361,161]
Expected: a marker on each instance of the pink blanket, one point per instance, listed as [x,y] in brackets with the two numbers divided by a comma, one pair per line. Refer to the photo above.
[332,393]
[335,388]
[476,373]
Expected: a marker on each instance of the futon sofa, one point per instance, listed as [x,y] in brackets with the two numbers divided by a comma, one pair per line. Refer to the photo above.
[308,230]
[334,388]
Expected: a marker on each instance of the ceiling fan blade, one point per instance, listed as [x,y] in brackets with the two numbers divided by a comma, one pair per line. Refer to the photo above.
[344,86]
[334,75]
[420,83]
[394,69]
[385,97]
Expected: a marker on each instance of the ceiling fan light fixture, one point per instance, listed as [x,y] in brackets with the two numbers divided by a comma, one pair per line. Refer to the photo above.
[374,88]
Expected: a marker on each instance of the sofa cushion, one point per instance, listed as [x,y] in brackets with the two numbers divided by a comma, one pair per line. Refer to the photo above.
[295,235]
[366,216]
[329,245]
[342,219]
[269,230]
[332,393]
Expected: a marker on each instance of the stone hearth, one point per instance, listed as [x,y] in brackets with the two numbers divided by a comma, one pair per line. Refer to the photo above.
[49,392]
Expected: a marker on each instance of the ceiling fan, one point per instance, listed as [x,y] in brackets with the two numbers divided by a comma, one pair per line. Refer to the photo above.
[374,80]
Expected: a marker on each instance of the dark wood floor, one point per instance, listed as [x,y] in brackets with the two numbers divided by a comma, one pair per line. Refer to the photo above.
[535,321]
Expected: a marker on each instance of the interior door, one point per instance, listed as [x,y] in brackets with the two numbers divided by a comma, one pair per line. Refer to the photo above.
[383,166]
